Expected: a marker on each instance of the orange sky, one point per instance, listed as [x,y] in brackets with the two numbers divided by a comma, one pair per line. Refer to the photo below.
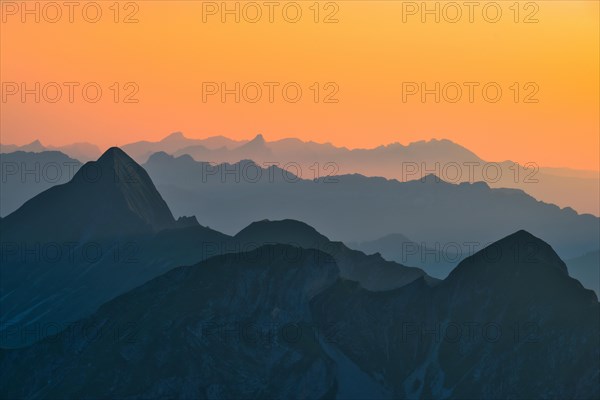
[368,54]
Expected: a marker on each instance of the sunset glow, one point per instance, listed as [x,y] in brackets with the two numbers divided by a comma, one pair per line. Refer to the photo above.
[367,58]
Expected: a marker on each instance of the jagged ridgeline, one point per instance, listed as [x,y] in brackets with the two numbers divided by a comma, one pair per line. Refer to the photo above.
[170,308]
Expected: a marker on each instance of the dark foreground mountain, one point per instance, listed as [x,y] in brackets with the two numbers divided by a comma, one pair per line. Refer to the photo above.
[108,198]
[371,272]
[440,260]
[507,323]
[77,245]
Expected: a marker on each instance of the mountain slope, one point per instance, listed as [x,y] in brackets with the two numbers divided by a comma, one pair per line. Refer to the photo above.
[507,323]
[111,197]
[586,269]
[262,324]
[371,272]
[228,328]
[76,245]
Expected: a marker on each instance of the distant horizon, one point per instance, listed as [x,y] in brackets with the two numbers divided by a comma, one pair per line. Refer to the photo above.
[103,148]
[367,78]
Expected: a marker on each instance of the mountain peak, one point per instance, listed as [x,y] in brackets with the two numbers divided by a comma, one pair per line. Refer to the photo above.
[175,136]
[286,231]
[113,154]
[258,139]
[429,179]
[516,256]
[110,197]
[116,165]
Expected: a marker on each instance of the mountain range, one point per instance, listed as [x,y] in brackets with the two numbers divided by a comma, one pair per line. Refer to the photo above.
[355,208]
[80,151]
[445,222]
[444,158]
[108,230]
[26,174]
[105,294]
[450,161]
[264,325]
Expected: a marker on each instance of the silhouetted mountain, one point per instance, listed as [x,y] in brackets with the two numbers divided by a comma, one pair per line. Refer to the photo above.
[371,272]
[288,231]
[196,332]
[444,158]
[439,261]
[108,198]
[76,245]
[26,174]
[33,147]
[81,243]
[354,208]
[262,324]
[452,162]
[79,151]
[507,323]
[140,151]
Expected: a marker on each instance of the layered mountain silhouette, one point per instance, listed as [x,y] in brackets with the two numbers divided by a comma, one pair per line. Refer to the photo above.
[80,151]
[355,208]
[26,174]
[372,272]
[108,198]
[586,269]
[438,261]
[79,244]
[507,323]
[142,150]
[449,160]
[108,230]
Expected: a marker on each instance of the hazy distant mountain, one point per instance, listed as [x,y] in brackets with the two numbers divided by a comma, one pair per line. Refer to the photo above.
[33,147]
[264,325]
[140,151]
[80,151]
[355,208]
[437,261]
[452,162]
[26,174]
[586,269]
